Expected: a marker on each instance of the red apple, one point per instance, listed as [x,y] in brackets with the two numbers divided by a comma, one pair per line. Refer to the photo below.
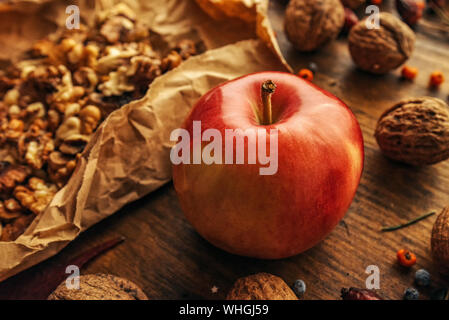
[320,162]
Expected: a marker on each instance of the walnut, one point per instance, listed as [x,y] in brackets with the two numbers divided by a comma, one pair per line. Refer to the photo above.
[171,61]
[37,128]
[62,175]
[90,117]
[119,55]
[40,83]
[380,50]
[61,167]
[261,286]
[24,68]
[11,97]
[70,126]
[10,209]
[71,109]
[440,240]
[57,160]
[15,129]
[66,91]
[309,24]
[186,48]
[142,72]
[353,4]
[72,53]
[36,196]
[13,230]
[8,153]
[74,144]
[75,54]
[85,77]
[108,104]
[11,205]
[115,56]
[415,131]
[136,77]
[35,110]
[117,83]
[35,150]
[14,111]
[119,23]
[11,175]
[54,119]
[89,56]
[100,287]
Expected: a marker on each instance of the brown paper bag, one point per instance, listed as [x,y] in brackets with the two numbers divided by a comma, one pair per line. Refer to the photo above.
[107,177]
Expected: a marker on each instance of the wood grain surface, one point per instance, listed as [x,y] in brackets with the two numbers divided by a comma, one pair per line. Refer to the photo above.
[164,255]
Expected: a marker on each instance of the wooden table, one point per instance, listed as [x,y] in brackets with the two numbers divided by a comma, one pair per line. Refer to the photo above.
[164,255]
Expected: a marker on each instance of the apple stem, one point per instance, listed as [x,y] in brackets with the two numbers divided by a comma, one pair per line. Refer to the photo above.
[268,88]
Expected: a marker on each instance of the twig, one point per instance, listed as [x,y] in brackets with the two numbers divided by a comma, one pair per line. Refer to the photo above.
[409,223]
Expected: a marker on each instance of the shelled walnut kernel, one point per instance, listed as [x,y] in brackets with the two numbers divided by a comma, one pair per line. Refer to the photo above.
[380,50]
[53,101]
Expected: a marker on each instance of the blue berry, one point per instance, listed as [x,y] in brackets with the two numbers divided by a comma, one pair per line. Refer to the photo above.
[411,294]
[422,277]
[299,287]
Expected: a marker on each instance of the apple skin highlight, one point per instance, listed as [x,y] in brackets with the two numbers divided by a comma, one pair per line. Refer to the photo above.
[320,162]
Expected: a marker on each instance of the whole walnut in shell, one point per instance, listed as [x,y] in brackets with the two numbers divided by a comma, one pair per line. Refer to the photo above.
[440,239]
[380,50]
[261,286]
[99,287]
[309,24]
[415,131]
[353,4]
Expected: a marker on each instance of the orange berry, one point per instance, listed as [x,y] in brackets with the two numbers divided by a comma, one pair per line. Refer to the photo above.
[406,258]
[421,5]
[306,74]
[436,79]
[409,73]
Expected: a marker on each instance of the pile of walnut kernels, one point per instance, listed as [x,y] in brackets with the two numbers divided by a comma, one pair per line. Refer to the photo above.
[52,102]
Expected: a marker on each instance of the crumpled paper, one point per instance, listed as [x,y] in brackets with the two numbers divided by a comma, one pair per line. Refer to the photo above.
[106,177]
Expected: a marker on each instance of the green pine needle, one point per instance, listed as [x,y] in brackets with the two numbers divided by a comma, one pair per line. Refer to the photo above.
[409,223]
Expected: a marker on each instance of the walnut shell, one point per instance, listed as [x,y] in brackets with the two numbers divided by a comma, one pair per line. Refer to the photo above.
[353,4]
[440,239]
[380,50]
[261,286]
[309,24]
[99,287]
[415,131]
